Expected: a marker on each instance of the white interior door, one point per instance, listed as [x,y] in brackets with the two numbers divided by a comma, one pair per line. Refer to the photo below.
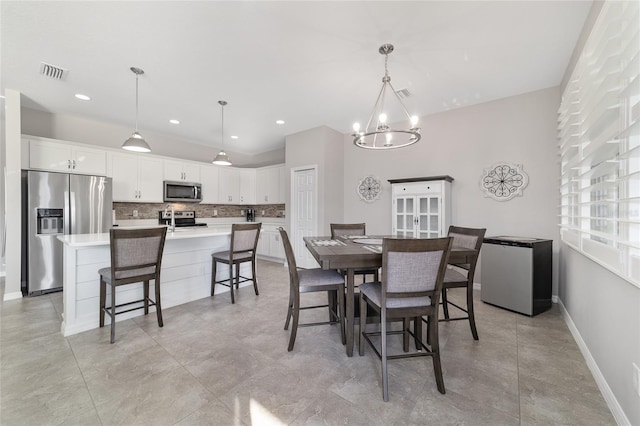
[304,213]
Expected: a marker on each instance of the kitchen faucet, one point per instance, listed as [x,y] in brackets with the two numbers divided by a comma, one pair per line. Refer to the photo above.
[173,217]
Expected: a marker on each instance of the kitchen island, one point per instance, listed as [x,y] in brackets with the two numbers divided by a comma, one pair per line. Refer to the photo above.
[185,274]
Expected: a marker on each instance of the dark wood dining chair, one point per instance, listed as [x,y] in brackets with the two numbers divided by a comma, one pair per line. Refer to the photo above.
[461,276]
[307,281]
[136,256]
[353,229]
[244,242]
[412,275]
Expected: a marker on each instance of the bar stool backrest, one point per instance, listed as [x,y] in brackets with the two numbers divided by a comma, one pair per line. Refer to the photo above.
[136,254]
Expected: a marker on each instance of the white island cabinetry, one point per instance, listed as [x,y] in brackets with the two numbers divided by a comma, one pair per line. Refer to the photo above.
[270,244]
[185,276]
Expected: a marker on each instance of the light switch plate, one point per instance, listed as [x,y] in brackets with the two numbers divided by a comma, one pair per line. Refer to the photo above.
[135,213]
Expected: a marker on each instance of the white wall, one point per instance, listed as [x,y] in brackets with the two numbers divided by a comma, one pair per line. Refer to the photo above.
[462,143]
[13,189]
[603,308]
[77,129]
[320,146]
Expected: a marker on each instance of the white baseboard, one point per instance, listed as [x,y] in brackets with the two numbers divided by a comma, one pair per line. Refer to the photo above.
[607,393]
[554,299]
[477,286]
[12,296]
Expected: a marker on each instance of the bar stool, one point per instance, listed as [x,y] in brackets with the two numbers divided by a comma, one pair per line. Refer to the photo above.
[136,256]
[244,241]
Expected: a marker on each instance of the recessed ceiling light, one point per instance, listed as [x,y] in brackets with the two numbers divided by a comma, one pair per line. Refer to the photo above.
[279,121]
[172,121]
[82,97]
[234,137]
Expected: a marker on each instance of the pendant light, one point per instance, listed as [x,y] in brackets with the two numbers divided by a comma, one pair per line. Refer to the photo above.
[378,134]
[222,159]
[136,142]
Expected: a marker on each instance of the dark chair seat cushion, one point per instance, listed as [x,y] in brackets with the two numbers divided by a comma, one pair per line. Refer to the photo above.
[374,292]
[105,273]
[223,256]
[319,277]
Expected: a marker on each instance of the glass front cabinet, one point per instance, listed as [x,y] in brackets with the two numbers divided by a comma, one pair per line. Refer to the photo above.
[421,207]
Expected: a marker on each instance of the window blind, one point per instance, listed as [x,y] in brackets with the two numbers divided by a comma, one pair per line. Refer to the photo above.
[599,143]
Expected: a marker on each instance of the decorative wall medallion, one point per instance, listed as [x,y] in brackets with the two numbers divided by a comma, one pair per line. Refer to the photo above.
[503,181]
[369,188]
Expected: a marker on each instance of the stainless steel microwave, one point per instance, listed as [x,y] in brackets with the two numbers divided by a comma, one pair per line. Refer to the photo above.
[183,192]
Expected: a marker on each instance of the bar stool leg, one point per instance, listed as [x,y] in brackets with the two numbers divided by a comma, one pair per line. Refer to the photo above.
[231,282]
[214,265]
[145,285]
[103,296]
[158,306]
[113,312]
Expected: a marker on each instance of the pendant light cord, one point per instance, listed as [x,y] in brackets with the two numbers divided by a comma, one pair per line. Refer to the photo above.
[137,102]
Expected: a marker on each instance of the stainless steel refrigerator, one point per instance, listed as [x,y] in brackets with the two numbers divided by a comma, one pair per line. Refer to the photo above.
[55,204]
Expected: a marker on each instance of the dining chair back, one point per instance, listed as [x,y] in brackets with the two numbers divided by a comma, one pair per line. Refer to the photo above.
[136,256]
[412,275]
[243,245]
[351,230]
[462,274]
[308,281]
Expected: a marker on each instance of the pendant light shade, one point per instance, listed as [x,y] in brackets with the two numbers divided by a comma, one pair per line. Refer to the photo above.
[222,159]
[136,142]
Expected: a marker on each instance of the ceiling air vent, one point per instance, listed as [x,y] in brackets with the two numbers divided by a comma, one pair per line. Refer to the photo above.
[52,71]
[403,93]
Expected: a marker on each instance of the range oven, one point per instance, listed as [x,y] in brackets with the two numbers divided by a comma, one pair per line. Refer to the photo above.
[182,192]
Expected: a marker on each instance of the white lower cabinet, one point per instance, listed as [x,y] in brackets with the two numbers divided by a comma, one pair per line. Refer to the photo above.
[270,243]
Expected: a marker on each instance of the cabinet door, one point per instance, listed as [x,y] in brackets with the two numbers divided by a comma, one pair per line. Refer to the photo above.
[173,170]
[47,155]
[404,216]
[267,182]
[229,186]
[209,177]
[89,161]
[429,214]
[263,243]
[150,180]
[247,186]
[282,188]
[276,249]
[191,172]
[125,177]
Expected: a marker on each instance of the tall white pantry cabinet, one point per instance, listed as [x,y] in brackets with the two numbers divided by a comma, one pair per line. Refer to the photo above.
[421,207]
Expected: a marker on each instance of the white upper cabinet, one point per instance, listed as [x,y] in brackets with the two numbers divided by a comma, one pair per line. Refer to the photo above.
[268,185]
[247,186]
[181,171]
[229,186]
[58,156]
[137,178]
[209,178]
[282,184]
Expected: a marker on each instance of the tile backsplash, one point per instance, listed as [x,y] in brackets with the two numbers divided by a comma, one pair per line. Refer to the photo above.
[125,211]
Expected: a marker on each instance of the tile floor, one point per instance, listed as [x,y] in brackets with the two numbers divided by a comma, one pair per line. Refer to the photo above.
[214,363]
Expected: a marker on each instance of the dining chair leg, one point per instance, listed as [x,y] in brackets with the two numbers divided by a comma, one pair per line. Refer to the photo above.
[289,312]
[435,348]
[333,305]
[231,282]
[103,296]
[255,279]
[428,321]
[294,325]
[113,312]
[472,319]
[340,297]
[214,265]
[383,339]
[237,276]
[417,331]
[445,304]
[158,305]
[362,326]
[145,285]
[406,323]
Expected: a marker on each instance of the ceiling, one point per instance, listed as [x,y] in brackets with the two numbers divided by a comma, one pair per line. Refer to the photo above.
[307,63]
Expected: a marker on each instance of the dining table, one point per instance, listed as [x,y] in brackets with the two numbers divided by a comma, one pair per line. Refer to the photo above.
[350,252]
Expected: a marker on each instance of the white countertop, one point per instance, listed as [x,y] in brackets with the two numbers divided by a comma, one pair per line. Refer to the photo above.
[87,240]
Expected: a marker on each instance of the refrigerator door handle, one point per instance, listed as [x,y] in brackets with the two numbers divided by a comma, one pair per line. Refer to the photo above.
[72,212]
[66,214]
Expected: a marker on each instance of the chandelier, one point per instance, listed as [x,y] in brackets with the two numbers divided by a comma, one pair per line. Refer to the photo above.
[378,134]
